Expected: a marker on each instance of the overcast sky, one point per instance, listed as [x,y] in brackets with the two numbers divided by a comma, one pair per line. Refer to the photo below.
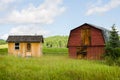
[55,17]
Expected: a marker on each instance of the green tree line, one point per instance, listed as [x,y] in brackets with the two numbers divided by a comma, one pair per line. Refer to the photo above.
[56,42]
[2,41]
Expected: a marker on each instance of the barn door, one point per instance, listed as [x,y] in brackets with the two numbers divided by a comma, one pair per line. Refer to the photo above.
[85,37]
[81,52]
[86,41]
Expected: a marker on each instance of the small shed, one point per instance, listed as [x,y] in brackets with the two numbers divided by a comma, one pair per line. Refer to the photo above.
[87,41]
[25,45]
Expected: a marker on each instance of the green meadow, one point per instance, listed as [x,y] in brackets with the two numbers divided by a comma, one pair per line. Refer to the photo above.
[54,65]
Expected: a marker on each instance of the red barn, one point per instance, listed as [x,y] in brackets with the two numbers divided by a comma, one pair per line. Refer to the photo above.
[87,41]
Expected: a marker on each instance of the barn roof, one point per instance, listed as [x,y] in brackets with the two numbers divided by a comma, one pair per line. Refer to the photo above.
[25,38]
[105,32]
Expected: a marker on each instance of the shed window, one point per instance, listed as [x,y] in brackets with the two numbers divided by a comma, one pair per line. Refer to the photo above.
[28,47]
[17,46]
[86,37]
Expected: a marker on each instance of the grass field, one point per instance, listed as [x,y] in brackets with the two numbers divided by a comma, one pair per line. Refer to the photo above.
[3,49]
[55,51]
[3,46]
[54,67]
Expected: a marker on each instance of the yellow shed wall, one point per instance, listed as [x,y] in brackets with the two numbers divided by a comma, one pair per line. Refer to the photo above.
[36,49]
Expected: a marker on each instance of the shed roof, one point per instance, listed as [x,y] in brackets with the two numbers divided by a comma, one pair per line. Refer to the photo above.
[105,32]
[25,38]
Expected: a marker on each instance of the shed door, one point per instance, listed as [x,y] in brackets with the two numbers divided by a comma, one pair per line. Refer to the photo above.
[28,47]
[28,53]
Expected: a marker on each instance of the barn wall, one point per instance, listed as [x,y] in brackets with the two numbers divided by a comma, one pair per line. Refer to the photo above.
[36,49]
[96,37]
[92,52]
[72,52]
[95,52]
[74,38]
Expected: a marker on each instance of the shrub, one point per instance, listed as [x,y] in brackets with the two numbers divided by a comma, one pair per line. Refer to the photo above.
[109,60]
[118,61]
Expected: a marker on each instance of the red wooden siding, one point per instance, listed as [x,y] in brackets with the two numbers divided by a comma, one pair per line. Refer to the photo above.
[94,50]
[97,37]
[72,52]
[74,39]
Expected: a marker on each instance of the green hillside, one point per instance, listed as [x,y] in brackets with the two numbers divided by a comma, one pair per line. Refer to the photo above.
[2,41]
[56,42]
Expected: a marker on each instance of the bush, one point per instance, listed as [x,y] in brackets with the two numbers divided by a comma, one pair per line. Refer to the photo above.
[112,57]
[118,61]
[109,61]
[116,52]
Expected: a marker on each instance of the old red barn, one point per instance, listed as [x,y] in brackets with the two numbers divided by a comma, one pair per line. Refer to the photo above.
[87,41]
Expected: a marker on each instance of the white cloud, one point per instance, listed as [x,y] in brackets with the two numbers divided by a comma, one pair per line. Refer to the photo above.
[28,19]
[26,30]
[100,9]
[44,13]
[4,4]
[6,1]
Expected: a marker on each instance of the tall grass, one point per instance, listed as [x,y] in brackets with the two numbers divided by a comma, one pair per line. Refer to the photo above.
[55,51]
[55,68]
[3,51]
[54,65]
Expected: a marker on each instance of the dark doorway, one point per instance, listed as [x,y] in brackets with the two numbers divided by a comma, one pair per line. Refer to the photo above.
[82,52]
[28,47]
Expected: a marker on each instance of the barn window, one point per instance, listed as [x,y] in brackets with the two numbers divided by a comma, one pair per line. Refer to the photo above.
[85,36]
[28,47]
[17,46]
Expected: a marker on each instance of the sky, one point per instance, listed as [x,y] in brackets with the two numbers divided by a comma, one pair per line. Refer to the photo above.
[55,17]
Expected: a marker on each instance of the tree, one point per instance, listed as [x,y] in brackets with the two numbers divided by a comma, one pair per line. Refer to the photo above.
[114,38]
[113,45]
